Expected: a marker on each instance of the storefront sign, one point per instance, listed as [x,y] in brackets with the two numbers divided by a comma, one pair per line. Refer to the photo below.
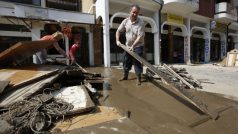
[213,24]
[174,18]
[186,54]
[223,49]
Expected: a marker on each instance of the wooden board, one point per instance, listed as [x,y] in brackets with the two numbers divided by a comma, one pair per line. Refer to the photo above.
[102,114]
[229,59]
[20,75]
[232,58]
[26,91]
[22,50]
[236,62]
[3,85]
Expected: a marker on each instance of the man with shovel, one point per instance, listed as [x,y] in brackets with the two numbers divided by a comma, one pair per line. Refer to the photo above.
[133,27]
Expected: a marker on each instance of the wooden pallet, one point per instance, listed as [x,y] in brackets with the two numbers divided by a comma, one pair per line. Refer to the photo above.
[232,58]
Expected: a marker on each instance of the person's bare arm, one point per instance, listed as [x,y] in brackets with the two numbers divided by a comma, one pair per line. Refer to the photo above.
[59,49]
[72,55]
[135,42]
[118,38]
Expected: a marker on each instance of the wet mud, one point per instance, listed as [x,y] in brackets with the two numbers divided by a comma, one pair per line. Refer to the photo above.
[160,109]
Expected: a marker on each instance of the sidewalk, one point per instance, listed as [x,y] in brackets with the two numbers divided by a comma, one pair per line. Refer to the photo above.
[216,79]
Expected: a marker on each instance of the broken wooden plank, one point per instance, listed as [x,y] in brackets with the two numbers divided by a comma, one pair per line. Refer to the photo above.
[22,50]
[3,85]
[25,92]
[21,75]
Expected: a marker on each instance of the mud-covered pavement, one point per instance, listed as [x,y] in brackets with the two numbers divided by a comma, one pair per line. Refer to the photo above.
[158,109]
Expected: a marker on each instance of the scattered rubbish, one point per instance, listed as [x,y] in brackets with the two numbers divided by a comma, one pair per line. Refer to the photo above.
[36,114]
[76,96]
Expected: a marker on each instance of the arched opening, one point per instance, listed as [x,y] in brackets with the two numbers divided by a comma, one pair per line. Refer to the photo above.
[231,44]
[150,30]
[172,45]
[197,47]
[116,52]
[79,33]
[215,51]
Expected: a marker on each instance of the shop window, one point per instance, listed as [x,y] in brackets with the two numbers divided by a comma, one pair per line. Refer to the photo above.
[215,47]
[166,27]
[178,49]
[10,27]
[70,5]
[147,26]
[198,33]
[117,19]
[231,44]
[149,47]
[114,49]
[197,50]
[51,28]
[79,33]
[219,1]
[178,29]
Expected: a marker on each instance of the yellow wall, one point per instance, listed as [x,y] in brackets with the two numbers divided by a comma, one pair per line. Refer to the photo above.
[86,4]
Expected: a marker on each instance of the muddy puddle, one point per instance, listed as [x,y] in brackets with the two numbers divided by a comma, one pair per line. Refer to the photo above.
[159,109]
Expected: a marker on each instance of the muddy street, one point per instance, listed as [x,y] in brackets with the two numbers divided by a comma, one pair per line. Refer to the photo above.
[159,109]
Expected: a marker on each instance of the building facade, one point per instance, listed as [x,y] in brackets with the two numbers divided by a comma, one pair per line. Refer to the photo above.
[198,31]
[22,20]
[177,31]
[110,13]
[185,31]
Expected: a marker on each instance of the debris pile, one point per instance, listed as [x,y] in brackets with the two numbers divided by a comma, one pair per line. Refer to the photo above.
[179,77]
[34,115]
[69,93]
[182,72]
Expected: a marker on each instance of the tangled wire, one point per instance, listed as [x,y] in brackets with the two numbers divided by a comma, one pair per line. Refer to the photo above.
[36,114]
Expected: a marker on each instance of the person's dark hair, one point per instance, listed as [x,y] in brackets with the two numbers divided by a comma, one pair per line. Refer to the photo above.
[136,6]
